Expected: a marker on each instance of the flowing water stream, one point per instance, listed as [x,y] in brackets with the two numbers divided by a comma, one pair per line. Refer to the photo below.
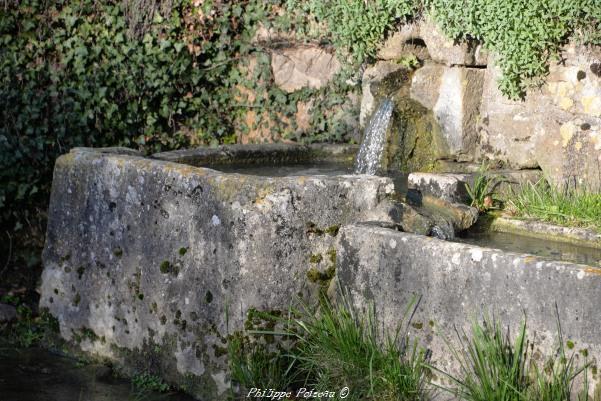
[369,158]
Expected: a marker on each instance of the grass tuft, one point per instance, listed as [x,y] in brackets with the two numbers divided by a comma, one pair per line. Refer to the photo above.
[482,192]
[252,365]
[148,382]
[340,346]
[572,207]
[334,346]
[493,367]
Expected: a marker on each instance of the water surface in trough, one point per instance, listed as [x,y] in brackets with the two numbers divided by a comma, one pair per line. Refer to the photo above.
[287,170]
[552,250]
[38,375]
[308,169]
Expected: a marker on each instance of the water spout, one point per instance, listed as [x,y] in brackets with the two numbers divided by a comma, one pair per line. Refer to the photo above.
[369,158]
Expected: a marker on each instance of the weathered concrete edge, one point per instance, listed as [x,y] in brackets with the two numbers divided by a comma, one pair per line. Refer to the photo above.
[459,282]
[114,150]
[543,230]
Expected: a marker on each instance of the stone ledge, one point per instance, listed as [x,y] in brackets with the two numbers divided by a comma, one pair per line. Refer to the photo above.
[543,230]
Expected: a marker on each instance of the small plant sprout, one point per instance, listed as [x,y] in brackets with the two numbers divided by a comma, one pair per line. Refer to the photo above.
[482,192]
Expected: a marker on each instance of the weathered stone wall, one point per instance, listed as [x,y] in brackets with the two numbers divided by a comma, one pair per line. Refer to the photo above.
[557,127]
[457,282]
[152,264]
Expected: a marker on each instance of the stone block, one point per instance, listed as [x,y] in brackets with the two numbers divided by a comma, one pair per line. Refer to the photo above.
[448,187]
[445,51]
[453,94]
[152,264]
[303,67]
[373,75]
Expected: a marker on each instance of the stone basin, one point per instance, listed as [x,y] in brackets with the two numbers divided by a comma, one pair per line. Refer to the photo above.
[157,261]
[153,262]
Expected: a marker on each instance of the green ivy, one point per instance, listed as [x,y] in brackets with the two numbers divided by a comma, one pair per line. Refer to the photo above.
[357,26]
[524,35]
[69,76]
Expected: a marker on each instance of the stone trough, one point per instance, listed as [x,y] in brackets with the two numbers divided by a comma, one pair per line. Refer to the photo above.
[152,262]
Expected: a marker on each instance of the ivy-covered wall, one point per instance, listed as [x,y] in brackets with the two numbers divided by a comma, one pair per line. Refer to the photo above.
[164,74]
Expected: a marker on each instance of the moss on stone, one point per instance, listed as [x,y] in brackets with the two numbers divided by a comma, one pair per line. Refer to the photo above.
[261,320]
[332,230]
[321,277]
[315,258]
[312,228]
[417,325]
[182,251]
[165,266]
[219,351]
[332,256]
[84,333]
[414,139]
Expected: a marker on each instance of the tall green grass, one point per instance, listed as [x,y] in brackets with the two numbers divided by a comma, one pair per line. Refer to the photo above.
[341,346]
[493,367]
[577,207]
[252,364]
[336,346]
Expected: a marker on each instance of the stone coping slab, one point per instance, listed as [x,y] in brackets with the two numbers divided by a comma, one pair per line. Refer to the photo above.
[544,230]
